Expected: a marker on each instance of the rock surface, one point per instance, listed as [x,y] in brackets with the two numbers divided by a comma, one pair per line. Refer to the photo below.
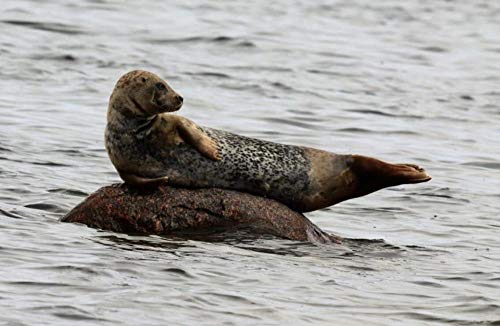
[167,210]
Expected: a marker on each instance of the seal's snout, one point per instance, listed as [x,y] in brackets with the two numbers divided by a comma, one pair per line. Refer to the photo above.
[179,98]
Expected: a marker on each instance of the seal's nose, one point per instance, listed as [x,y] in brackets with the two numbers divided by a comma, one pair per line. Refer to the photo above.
[179,98]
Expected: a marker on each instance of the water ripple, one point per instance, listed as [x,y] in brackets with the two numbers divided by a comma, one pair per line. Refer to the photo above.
[404,81]
[46,26]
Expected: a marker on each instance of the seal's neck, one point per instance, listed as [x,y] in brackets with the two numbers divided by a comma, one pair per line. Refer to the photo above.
[128,121]
[125,105]
[145,125]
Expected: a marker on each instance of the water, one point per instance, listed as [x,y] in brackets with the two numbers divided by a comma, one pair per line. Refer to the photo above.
[414,81]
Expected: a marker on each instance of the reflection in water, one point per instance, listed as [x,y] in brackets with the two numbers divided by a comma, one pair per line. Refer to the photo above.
[409,81]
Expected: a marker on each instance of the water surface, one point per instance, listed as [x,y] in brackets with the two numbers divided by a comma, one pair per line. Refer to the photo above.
[414,81]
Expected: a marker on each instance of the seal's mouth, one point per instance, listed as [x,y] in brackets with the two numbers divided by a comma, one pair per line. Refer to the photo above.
[168,108]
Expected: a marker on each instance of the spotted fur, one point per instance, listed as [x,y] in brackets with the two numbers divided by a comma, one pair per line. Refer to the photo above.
[251,165]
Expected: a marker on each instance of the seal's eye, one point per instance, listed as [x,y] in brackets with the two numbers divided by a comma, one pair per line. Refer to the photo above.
[160,86]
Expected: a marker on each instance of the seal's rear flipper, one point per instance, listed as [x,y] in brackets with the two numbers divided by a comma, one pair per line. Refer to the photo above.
[335,178]
[373,174]
[410,173]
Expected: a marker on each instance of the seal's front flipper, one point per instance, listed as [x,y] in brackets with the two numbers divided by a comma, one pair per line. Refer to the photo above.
[208,147]
[138,181]
[195,137]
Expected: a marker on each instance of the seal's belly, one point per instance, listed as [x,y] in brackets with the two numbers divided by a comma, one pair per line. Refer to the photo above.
[251,165]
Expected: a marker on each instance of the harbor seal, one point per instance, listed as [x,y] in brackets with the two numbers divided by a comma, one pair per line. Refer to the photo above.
[148,146]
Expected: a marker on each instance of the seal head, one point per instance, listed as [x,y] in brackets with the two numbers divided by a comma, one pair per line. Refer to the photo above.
[143,94]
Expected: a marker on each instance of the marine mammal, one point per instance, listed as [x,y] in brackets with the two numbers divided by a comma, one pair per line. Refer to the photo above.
[147,145]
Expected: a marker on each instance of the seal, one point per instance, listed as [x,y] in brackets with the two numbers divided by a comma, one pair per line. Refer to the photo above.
[147,146]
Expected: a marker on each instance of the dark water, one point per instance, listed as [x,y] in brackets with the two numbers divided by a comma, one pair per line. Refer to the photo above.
[414,81]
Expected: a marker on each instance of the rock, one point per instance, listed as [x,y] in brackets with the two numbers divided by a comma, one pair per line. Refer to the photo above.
[167,210]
